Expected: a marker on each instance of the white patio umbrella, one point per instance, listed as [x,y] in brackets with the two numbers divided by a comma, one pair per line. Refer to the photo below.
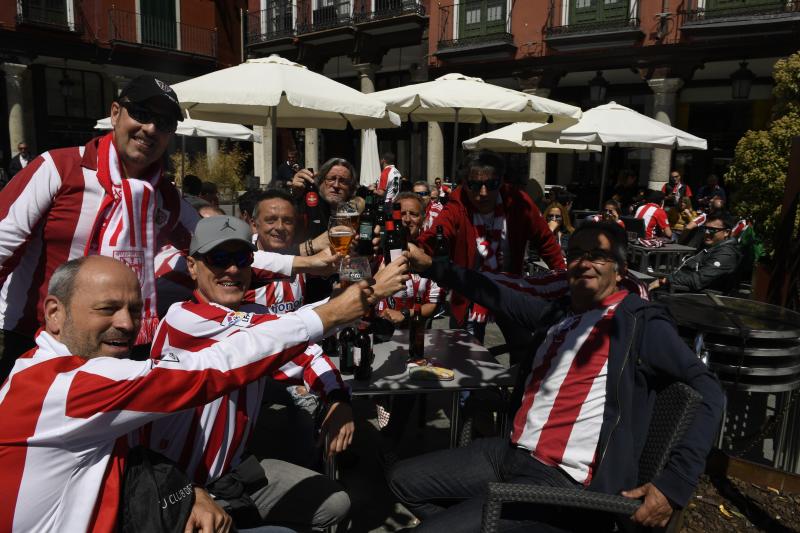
[458,98]
[275,92]
[508,139]
[370,168]
[201,128]
[613,124]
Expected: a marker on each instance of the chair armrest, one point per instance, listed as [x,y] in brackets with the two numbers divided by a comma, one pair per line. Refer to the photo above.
[499,493]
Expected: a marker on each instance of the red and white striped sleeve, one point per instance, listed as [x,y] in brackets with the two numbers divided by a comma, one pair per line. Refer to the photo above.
[432,292]
[25,200]
[315,370]
[107,397]
[548,285]
[268,266]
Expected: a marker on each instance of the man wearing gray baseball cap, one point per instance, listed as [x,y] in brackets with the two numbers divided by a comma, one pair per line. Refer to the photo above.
[277,492]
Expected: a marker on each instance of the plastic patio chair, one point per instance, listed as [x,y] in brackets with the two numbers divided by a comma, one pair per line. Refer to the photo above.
[673,412]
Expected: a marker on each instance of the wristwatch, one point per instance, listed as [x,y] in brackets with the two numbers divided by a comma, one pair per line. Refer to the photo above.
[406,314]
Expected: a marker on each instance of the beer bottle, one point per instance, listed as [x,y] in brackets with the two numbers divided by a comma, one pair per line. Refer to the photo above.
[366,228]
[416,333]
[399,228]
[362,352]
[441,251]
[313,211]
[330,345]
[346,342]
[392,247]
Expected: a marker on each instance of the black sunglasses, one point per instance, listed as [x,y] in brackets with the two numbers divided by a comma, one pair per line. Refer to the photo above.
[142,115]
[423,194]
[222,259]
[594,256]
[714,231]
[476,185]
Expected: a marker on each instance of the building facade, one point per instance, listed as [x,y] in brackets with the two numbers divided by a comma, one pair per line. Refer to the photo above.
[702,65]
[65,60]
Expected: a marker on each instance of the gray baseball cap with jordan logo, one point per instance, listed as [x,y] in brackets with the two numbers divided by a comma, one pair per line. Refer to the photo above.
[213,231]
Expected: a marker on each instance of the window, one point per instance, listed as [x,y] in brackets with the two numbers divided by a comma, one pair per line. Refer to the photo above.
[481,17]
[158,23]
[584,11]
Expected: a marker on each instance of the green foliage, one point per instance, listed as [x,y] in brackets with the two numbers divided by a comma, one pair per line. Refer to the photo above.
[761,160]
[227,169]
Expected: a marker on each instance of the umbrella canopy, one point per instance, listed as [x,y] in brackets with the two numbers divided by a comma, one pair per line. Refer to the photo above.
[614,124]
[275,91]
[370,169]
[508,139]
[201,128]
[460,98]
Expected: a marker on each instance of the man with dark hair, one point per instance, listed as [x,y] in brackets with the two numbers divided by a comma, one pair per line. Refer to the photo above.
[714,266]
[388,183]
[107,198]
[287,170]
[247,202]
[19,161]
[583,401]
[210,193]
[192,188]
[675,187]
[488,225]
[70,406]
[709,191]
[656,223]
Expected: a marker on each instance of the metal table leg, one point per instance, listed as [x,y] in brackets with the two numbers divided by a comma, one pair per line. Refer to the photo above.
[454,416]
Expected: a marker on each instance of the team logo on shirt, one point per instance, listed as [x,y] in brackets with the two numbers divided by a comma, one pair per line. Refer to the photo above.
[134,259]
[168,357]
[237,317]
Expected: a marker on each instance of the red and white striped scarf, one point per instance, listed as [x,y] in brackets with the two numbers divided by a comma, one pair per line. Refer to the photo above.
[492,234]
[125,228]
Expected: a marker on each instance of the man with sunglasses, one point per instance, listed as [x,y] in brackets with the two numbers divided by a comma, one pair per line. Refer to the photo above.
[488,225]
[714,267]
[210,443]
[582,403]
[105,198]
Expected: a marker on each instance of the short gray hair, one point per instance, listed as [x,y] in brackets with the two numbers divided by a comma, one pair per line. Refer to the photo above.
[422,183]
[62,282]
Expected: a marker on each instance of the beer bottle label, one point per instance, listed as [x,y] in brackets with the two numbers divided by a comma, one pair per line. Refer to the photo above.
[365,231]
[312,199]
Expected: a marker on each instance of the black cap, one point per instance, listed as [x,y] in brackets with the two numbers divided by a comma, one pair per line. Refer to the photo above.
[145,87]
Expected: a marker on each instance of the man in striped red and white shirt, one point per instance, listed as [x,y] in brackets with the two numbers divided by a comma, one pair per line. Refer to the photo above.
[105,198]
[585,397]
[69,405]
[655,219]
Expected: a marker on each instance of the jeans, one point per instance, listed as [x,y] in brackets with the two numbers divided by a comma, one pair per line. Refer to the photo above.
[446,490]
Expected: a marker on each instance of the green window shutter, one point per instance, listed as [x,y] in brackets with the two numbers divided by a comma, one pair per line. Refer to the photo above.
[584,11]
[481,17]
[158,23]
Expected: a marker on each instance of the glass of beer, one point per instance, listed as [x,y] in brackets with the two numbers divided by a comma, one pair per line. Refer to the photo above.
[341,234]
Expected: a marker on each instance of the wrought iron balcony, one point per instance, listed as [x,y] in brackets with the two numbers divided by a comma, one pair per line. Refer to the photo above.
[475,25]
[386,9]
[598,26]
[764,9]
[45,14]
[155,32]
[277,21]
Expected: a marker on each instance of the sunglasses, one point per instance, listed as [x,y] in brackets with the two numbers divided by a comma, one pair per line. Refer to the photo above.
[142,115]
[713,231]
[596,256]
[423,194]
[222,259]
[476,185]
[554,217]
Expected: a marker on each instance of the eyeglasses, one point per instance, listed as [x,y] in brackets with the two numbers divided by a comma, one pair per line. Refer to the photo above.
[142,115]
[423,194]
[713,231]
[554,217]
[476,185]
[596,256]
[342,181]
[222,259]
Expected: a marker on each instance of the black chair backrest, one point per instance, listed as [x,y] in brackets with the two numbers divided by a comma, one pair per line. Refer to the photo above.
[673,413]
[634,226]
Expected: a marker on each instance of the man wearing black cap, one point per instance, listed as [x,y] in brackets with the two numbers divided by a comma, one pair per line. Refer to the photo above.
[105,198]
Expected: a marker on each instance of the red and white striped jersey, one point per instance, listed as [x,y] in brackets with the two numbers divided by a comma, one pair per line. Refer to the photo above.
[280,296]
[66,419]
[431,212]
[553,285]
[174,284]
[208,440]
[654,218]
[426,288]
[562,407]
[48,214]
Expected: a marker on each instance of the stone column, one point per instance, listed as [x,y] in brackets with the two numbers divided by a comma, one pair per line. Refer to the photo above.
[14,96]
[262,156]
[538,161]
[312,148]
[366,76]
[212,151]
[665,91]
[435,152]
[404,159]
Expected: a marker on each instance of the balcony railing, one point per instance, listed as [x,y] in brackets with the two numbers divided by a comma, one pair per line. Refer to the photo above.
[43,13]
[598,26]
[470,23]
[274,22]
[156,32]
[764,8]
[385,9]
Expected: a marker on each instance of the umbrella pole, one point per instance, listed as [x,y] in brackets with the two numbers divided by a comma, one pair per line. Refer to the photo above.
[455,150]
[183,157]
[603,177]
[273,142]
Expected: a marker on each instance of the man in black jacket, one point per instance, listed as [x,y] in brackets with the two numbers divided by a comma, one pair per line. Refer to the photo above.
[586,401]
[714,266]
